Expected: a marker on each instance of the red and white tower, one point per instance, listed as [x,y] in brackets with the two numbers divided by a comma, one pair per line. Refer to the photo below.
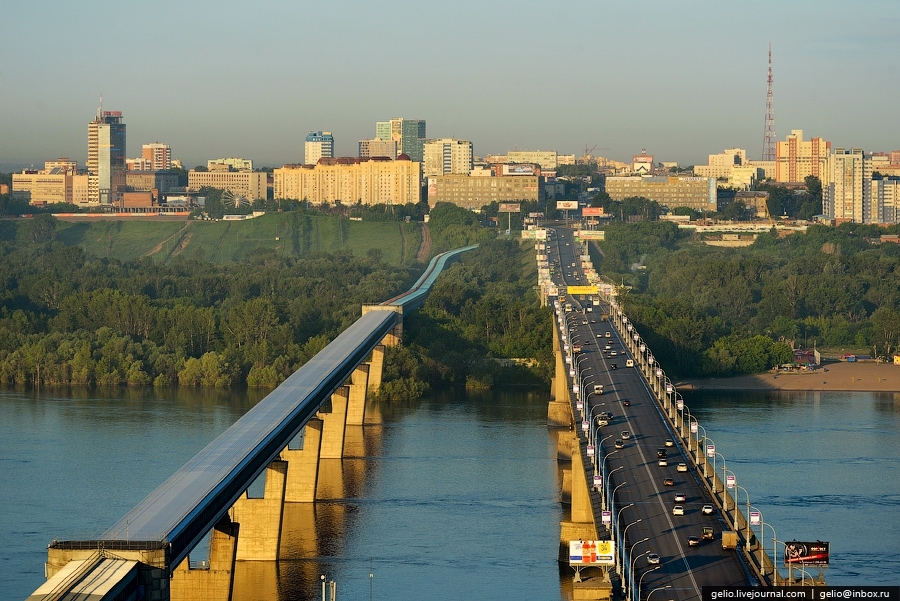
[769,139]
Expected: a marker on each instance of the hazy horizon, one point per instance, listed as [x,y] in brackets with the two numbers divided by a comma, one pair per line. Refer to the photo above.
[680,79]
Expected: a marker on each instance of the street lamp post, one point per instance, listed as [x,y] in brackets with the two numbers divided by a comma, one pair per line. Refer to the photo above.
[620,538]
[641,581]
[631,568]
[606,488]
[659,588]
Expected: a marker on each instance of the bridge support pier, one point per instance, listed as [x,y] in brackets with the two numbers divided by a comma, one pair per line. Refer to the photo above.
[303,465]
[215,580]
[260,519]
[559,411]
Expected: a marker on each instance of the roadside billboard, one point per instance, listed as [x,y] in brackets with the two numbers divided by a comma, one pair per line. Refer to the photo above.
[806,553]
[509,207]
[575,290]
[567,205]
[540,234]
[596,211]
[592,234]
[592,553]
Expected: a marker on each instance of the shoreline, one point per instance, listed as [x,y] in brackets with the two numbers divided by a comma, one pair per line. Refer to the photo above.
[840,377]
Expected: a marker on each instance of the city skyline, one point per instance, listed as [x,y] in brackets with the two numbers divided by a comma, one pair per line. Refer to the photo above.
[683,80]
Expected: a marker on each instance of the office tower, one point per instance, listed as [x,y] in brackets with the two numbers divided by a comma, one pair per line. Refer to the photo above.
[106,156]
[408,133]
[158,155]
[447,156]
[318,144]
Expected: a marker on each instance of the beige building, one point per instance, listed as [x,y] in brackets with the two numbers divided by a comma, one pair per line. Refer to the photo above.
[885,198]
[236,163]
[796,158]
[447,155]
[159,156]
[164,181]
[547,159]
[698,193]
[731,168]
[378,148]
[249,184]
[50,187]
[846,195]
[351,180]
[473,192]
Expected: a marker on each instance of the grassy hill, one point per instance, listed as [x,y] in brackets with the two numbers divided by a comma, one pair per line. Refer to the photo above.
[223,242]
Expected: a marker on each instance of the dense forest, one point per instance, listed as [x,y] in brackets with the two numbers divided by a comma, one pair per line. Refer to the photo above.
[709,311]
[68,318]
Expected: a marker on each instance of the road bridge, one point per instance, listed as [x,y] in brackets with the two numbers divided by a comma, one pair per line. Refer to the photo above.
[149,546]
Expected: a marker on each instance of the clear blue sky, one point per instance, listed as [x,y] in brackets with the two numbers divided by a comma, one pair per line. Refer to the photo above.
[681,78]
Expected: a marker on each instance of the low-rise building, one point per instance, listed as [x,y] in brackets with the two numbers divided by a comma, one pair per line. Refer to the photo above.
[698,193]
[248,184]
[350,180]
[164,181]
[473,192]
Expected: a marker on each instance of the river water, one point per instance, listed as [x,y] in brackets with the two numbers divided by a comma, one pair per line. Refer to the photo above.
[454,497]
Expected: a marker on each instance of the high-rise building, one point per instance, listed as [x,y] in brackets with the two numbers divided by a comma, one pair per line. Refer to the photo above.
[158,155]
[350,180]
[447,156]
[795,159]
[408,133]
[318,144]
[846,194]
[106,156]
[377,148]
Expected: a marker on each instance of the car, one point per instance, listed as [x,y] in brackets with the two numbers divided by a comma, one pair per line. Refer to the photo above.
[599,335]
[612,353]
[593,320]
[680,497]
[608,334]
[678,510]
[629,363]
[707,510]
[669,482]
[653,559]
[681,467]
[607,347]
[613,366]
[584,322]
[661,453]
[620,444]
[602,422]
[626,435]
[693,541]
[627,403]
[663,462]
[606,415]
[670,442]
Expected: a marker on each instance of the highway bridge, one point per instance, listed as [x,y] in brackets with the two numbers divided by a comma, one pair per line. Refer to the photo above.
[626,416]
[138,555]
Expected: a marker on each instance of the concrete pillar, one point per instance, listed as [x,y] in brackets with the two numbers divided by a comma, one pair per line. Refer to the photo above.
[260,519]
[334,425]
[582,508]
[376,368]
[303,465]
[559,411]
[356,408]
[215,580]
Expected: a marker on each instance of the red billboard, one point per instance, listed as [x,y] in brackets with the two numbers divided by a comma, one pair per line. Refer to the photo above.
[596,211]
[806,553]
[509,207]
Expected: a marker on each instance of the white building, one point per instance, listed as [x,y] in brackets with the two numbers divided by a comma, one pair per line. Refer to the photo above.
[447,155]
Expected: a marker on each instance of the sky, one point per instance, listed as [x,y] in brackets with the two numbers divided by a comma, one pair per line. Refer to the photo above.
[682,79]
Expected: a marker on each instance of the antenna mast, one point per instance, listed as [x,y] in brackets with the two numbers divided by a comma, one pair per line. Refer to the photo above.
[769,139]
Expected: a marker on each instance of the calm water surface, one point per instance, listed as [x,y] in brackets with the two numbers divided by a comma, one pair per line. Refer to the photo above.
[453,497]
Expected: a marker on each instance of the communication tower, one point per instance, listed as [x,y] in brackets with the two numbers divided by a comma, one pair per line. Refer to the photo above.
[769,139]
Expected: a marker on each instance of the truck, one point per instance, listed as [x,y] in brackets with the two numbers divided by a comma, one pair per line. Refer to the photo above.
[729,540]
[598,388]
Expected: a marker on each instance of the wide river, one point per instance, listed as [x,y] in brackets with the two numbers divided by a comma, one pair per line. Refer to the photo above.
[456,496]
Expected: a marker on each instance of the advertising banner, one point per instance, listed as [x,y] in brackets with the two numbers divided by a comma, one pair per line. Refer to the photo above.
[754,518]
[694,427]
[679,402]
[568,205]
[509,207]
[597,211]
[806,553]
[711,450]
[591,234]
[536,215]
[606,517]
[729,481]
[573,290]
[592,553]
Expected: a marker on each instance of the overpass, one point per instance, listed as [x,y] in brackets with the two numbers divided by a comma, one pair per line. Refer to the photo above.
[149,546]
[620,492]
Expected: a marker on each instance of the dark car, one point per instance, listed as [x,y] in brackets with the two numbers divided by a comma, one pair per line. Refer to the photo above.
[661,453]
[620,444]
[627,403]
[693,541]
[613,366]
[669,482]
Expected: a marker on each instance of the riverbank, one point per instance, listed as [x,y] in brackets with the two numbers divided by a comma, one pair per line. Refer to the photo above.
[837,376]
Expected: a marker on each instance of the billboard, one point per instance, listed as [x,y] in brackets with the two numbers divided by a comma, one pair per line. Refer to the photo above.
[592,553]
[534,234]
[573,290]
[596,211]
[509,207]
[806,553]
[536,215]
[592,235]
[569,205]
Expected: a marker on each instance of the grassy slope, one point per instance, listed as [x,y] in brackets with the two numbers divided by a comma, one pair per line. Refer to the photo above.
[225,242]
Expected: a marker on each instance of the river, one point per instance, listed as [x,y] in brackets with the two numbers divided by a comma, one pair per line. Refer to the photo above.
[456,495]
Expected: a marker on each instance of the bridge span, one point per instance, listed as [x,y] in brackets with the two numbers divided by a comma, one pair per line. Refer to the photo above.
[149,546]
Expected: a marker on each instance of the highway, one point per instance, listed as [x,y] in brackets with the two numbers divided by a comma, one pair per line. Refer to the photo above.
[633,470]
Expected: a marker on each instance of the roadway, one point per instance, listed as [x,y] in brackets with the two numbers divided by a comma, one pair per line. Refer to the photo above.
[633,471]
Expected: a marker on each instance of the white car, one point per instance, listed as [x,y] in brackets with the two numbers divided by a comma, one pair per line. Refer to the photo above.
[681,467]
[680,497]
[670,442]
[678,510]
[626,435]
[663,462]
[707,510]
[653,559]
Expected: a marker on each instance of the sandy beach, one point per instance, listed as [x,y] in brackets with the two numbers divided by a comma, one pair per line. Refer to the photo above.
[840,376]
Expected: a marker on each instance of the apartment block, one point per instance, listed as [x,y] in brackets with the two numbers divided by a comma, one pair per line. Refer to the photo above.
[547,159]
[473,192]
[885,199]
[796,158]
[236,163]
[846,195]
[158,156]
[377,147]
[249,184]
[447,155]
[351,180]
[698,193]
